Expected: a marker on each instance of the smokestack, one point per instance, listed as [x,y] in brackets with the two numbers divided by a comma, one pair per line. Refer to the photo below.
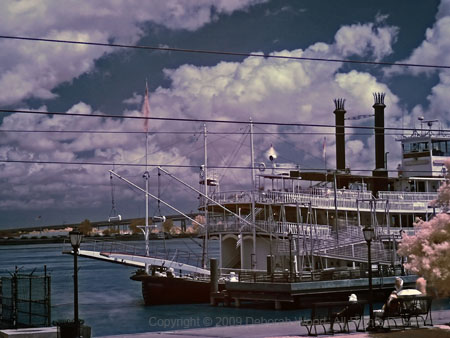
[380,168]
[379,129]
[339,113]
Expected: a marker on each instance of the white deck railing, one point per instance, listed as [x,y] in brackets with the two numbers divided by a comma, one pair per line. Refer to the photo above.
[346,199]
[284,228]
[276,228]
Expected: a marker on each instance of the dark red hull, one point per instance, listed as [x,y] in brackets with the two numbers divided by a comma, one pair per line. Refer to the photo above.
[165,290]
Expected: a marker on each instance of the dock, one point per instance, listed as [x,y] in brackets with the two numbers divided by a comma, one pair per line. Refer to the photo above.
[299,294]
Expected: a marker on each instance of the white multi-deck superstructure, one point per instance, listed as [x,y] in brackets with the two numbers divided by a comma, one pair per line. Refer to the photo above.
[317,227]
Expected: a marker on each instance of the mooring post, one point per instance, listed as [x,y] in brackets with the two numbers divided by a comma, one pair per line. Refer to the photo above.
[214,269]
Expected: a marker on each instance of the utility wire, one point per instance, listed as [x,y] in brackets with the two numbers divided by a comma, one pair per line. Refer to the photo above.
[174,119]
[217,52]
[191,166]
[179,132]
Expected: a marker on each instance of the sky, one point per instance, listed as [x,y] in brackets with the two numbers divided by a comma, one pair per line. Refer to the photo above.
[87,80]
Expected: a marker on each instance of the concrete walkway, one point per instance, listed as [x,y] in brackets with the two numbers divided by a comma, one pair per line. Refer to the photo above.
[293,329]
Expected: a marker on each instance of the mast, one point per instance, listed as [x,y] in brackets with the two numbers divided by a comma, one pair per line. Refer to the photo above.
[205,181]
[146,230]
[252,156]
[146,175]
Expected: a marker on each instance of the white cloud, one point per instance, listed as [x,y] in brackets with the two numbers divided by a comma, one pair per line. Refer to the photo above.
[266,89]
[269,89]
[136,99]
[33,69]
[365,40]
[34,186]
[434,50]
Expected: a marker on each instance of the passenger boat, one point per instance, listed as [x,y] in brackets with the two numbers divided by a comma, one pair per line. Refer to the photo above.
[299,226]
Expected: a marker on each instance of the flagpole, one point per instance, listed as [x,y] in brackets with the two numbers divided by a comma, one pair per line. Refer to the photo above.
[146,109]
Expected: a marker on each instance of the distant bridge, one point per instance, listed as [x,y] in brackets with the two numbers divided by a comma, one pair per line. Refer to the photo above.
[177,219]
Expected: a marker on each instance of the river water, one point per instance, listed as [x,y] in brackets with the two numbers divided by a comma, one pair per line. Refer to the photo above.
[111,303]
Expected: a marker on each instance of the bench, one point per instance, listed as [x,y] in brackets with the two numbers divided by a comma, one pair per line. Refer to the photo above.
[405,308]
[340,313]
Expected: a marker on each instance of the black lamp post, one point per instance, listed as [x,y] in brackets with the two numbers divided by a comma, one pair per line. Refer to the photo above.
[369,235]
[75,240]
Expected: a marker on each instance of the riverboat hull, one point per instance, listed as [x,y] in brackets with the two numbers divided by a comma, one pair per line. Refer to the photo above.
[159,290]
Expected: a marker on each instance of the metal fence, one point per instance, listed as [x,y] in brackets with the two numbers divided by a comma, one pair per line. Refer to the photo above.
[25,300]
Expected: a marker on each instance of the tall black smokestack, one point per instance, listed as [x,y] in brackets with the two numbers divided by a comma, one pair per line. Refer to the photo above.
[339,113]
[380,167]
[379,130]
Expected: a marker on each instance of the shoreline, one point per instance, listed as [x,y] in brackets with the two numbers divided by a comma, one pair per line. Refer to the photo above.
[55,240]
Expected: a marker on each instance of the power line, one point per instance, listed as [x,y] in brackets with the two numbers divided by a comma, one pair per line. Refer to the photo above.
[174,119]
[95,131]
[195,166]
[216,52]
[179,132]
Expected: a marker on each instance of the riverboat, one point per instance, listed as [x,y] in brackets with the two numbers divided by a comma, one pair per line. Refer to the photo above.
[298,226]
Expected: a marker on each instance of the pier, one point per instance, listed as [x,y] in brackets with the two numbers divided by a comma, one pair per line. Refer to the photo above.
[298,291]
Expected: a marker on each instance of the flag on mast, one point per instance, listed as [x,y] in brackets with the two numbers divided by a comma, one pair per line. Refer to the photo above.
[324,150]
[146,108]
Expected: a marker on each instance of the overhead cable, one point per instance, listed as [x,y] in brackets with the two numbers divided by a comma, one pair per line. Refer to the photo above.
[175,119]
[180,132]
[229,53]
[192,166]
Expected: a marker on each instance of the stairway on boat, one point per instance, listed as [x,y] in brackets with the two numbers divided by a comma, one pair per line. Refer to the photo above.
[346,244]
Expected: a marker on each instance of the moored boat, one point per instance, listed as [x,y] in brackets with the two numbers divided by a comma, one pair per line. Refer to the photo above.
[296,230]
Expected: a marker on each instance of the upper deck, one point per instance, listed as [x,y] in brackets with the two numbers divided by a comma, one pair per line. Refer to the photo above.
[424,152]
[351,200]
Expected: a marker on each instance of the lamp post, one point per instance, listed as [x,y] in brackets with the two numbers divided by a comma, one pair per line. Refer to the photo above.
[369,235]
[75,240]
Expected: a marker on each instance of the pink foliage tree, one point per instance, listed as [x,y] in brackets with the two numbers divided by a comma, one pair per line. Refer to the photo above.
[428,251]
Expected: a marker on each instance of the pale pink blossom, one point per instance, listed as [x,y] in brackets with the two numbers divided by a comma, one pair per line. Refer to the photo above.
[428,251]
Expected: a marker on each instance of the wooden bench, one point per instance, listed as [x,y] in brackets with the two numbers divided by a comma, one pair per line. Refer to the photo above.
[405,308]
[340,313]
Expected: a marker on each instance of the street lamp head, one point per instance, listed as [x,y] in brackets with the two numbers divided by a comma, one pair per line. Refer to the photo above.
[369,233]
[75,238]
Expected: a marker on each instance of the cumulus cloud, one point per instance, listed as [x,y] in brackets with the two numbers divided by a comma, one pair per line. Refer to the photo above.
[33,69]
[266,89]
[136,99]
[285,90]
[365,40]
[434,50]
[35,186]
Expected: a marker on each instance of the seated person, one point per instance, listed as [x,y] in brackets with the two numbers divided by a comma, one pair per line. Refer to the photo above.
[398,284]
[421,285]
[347,312]
[391,307]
